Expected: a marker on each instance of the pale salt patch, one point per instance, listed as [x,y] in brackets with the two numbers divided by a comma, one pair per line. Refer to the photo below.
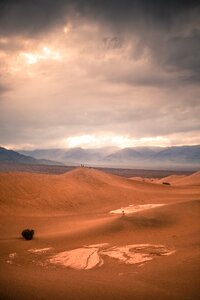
[89,257]
[169,253]
[12,255]
[136,254]
[141,265]
[134,208]
[39,251]
[11,258]
[81,258]
[126,256]
[97,245]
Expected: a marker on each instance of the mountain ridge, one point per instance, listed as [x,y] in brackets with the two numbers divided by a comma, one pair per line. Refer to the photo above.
[11,156]
[141,157]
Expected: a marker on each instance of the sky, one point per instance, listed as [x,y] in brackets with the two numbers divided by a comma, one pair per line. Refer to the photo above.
[99,73]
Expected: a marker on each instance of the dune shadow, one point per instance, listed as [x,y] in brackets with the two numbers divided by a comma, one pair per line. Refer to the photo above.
[133,223]
[156,221]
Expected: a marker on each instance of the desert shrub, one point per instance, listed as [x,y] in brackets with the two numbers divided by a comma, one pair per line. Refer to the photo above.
[28,234]
[166,183]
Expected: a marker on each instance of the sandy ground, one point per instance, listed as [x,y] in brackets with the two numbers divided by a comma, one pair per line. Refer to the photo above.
[181,180]
[149,254]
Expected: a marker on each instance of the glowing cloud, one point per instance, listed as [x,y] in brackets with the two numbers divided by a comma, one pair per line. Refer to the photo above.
[120,141]
[45,54]
[82,140]
[78,76]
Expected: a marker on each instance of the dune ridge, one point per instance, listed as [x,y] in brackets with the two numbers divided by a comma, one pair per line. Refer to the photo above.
[80,190]
[149,254]
[193,179]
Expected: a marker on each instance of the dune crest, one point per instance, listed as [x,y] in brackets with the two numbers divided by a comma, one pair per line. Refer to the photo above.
[193,179]
[79,190]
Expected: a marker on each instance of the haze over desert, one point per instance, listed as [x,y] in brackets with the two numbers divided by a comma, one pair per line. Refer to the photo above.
[99,150]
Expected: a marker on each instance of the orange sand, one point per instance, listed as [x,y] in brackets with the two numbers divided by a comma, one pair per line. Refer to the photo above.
[71,211]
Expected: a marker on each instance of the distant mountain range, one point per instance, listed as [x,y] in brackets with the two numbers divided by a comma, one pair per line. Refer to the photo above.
[74,156]
[180,157]
[10,156]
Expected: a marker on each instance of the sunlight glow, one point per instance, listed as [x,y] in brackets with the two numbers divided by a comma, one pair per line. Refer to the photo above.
[83,140]
[45,54]
[121,141]
[30,58]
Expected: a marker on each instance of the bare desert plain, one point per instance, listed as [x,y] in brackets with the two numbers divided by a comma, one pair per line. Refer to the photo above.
[99,236]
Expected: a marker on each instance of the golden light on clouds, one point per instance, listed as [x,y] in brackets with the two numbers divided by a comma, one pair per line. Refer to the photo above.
[120,141]
[45,54]
[30,58]
[83,81]
[67,28]
[82,140]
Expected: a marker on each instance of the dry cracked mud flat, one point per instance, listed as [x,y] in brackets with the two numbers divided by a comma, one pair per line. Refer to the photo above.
[91,256]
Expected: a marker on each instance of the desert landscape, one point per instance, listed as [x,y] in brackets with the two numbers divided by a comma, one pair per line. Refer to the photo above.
[98,235]
[99,150]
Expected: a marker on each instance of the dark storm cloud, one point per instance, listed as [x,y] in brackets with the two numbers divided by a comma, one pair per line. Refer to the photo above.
[126,67]
[184,53]
[169,29]
[131,11]
[23,17]
[32,16]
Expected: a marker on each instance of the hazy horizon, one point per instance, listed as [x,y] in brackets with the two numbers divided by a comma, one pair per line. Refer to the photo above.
[91,147]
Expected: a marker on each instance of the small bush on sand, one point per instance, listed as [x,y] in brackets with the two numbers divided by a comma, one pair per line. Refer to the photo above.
[166,183]
[28,234]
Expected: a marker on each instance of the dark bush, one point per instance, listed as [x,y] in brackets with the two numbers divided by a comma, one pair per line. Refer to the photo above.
[166,183]
[28,234]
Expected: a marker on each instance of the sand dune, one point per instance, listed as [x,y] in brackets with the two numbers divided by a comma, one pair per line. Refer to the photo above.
[193,179]
[79,190]
[130,253]
[81,251]
[171,179]
[142,179]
